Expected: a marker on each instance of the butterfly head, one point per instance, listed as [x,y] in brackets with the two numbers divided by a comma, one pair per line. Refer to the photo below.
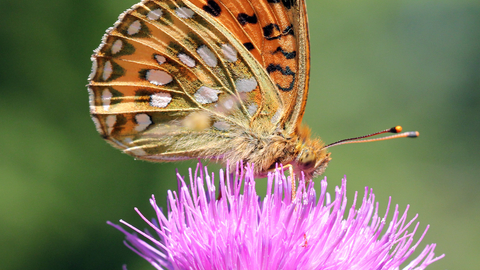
[312,158]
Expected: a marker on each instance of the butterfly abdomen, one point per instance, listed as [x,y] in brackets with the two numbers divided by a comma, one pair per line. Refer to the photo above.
[268,151]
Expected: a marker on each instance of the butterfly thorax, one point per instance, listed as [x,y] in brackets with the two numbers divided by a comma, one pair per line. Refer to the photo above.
[267,152]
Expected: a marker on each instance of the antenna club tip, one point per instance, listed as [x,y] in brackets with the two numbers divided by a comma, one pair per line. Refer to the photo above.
[396,129]
[413,134]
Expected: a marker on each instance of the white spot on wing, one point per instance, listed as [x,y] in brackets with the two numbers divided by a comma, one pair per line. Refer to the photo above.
[158,77]
[184,12]
[229,52]
[187,60]
[160,100]
[117,46]
[110,121]
[220,125]
[228,104]
[276,116]
[252,109]
[155,14]
[205,95]
[98,127]
[135,150]
[91,100]
[207,55]
[107,70]
[143,121]
[134,28]
[106,99]
[94,69]
[246,85]
[160,59]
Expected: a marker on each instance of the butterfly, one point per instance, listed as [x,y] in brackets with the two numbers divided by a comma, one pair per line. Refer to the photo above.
[225,80]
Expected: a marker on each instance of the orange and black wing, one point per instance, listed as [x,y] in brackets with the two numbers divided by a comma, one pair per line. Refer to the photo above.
[276,33]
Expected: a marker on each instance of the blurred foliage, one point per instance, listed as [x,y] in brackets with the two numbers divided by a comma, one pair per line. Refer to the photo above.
[375,64]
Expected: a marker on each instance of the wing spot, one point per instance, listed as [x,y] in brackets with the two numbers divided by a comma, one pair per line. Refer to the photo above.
[106,99]
[134,28]
[158,77]
[187,60]
[184,12]
[212,8]
[288,31]
[288,55]
[205,95]
[228,104]
[107,70]
[91,100]
[252,109]
[229,52]
[94,69]
[244,18]
[286,3]
[207,55]
[143,121]
[287,72]
[246,85]
[110,121]
[135,150]
[249,46]
[160,100]
[97,124]
[221,125]
[269,30]
[117,46]
[155,14]
[160,59]
[276,116]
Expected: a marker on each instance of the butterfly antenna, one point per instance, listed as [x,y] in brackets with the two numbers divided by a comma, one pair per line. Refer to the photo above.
[396,129]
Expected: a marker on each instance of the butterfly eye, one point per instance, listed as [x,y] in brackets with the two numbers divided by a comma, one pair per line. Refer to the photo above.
[307,160]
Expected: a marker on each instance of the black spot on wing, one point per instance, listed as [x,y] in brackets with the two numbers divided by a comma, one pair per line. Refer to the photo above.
[288,55]
[244,18]
[213,8]
[269,30]
[286,3]
[288,31]
[287,72]
[248,45]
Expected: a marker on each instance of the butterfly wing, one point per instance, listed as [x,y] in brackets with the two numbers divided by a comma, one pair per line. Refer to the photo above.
[170,82]
[276,34]
[297,12]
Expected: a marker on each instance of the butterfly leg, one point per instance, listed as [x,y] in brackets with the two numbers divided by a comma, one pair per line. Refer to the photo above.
[225,183]
[292,179]
[282,169]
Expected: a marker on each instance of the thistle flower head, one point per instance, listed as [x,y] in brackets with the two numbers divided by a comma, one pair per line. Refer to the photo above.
[279,231]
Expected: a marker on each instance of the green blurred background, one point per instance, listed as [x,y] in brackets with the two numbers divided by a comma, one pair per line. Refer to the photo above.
[375,64]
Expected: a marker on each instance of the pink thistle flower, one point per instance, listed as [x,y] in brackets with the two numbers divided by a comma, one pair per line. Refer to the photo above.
[242,231]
